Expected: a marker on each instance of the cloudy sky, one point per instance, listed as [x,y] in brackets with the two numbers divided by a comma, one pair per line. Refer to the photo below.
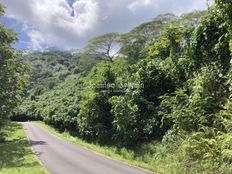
[68,24]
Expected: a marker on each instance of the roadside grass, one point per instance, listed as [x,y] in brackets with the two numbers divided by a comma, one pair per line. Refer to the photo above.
[121,154]
[144,158]
[16,156]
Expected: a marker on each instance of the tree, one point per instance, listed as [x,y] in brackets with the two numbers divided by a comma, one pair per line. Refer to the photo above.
[135,112]
[225,7]
[135,41]
[10,72]
[105,46]
[94,119]
[211,40]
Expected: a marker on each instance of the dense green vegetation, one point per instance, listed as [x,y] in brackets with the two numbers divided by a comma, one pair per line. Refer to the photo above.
[16,155]
[159,94]
[12,74]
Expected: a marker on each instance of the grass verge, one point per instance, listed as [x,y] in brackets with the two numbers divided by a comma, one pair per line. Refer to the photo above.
[16,156]
[121,154]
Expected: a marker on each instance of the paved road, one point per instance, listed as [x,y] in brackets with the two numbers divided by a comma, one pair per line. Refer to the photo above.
[62,157]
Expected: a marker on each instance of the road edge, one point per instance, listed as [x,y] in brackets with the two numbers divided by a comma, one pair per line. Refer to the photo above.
[60,136]
[30,146]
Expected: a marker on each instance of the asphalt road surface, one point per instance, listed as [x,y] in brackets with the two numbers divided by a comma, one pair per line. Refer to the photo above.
[62,157]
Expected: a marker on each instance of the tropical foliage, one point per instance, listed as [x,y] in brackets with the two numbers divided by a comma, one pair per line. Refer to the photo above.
[162,90]
[12,73]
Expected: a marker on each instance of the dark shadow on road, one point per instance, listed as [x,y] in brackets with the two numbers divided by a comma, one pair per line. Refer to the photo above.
[36,143]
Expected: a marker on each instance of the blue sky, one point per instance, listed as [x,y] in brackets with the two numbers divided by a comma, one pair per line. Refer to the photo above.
[69,24]
[24,40]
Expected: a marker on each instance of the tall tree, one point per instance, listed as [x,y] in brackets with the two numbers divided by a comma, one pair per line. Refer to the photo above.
[106,46]
[10,70]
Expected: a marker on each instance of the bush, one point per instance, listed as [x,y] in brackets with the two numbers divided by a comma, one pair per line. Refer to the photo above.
[138,106]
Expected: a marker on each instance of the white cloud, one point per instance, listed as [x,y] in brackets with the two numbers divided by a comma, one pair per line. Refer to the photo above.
[54,22]
[57,23]
[36,39]
[86,15]
[138,3]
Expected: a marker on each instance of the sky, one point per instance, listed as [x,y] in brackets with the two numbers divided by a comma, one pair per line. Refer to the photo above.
[69,24]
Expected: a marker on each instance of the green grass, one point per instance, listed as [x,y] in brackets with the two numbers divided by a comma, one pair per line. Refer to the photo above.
[16,156]
[121,154]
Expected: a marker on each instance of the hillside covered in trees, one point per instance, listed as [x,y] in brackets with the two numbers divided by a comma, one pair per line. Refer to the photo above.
[160,94]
